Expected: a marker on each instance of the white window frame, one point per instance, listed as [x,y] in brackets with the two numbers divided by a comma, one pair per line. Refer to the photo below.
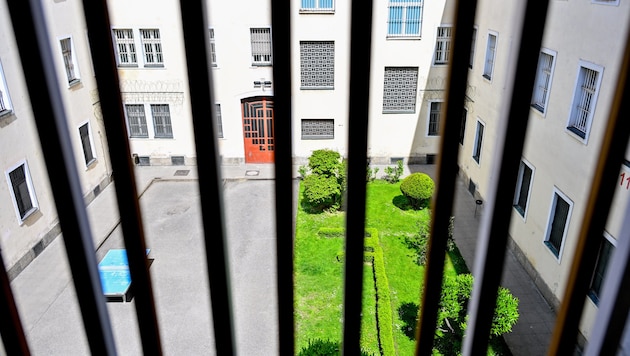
[613,242]
[262,48]
[169,124]
[443,45]
[130,48]
[154,57]
[6,106]
[462,130]
[317,7]
[30,188]
[473,43]
[519,185]
[550,219]
[542,83]
[606,2]
[405,5]
[432,113]
[219,120]
[491,55]
[213,46]
[144,117]
[90,141]
[572,126]
[478,146]
[70,62]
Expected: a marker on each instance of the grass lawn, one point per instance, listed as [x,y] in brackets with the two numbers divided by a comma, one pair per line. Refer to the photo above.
[319,271]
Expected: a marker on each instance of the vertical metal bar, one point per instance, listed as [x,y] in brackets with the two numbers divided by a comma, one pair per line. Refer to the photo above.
[195,28]
[106,72]
[11,329]
[611,156]
[491,246]
[615,302]
[29,26]
[442,205]
[281,24]
[360,55]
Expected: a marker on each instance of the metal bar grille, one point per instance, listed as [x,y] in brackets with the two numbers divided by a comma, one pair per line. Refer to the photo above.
[611,157]
[32,38]
[30,30]
[200,81]
[102,50]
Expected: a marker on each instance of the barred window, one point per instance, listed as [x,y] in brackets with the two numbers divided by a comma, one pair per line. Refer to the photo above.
[22,191]
[317,64]
[443,45]
[161,121]
[491,49]
[69,60]
[152,46]
[584,100]
[434,118]
[136,120]
[400,89]
[317,6]
[261,46]
[213,49]
[86,143]
[318,129]
[125,47]
[219,121]
[404,18]
[5,103]
[558,223]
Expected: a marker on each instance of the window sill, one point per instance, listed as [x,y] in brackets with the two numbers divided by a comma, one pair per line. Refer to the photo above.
[28,214]
[399,111]
[404,37]
[553,250]
[315,138]
[317,11]
[90,164]
[73,83]
[487,76]
[318,88]
[163,137]
[255,65]
[128,66]
[519,210]
[540,109]
[147,136]
[154,66]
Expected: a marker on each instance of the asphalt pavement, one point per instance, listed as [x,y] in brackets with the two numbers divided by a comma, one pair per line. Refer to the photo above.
[173,231]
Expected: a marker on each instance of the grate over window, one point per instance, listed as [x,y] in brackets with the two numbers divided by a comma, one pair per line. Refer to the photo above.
[443,45]
[317,64]
[318,129]
[152,45]
[161,121]
[261,46]
[405,18]
[125,47]
[136,120]
[400,89]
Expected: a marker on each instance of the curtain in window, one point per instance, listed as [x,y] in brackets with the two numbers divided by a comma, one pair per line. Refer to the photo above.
[326,4]
[414,16]
[395,20]
[308,4]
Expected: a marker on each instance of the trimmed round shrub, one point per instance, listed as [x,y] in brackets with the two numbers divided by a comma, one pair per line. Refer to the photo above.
[320,347]
[418,189]
[321,193]
[325,162]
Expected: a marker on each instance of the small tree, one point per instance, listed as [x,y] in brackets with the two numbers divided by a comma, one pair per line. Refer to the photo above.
[418,189]
[324,186]
[325,162]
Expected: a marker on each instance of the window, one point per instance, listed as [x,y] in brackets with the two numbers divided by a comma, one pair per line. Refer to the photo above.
[472,48]
[490,55]
[443,45]
[606,250]
[543,80]
[5,103]
[69,60]
[317,6]
[462,130]
[161,121]
[405,18]
[125,47]
[213,48]
[399,90]
[22,192]
[219,121]
[318,129]
[523,186]
[152,46]
[136,120]
[434,118]
[86,142]
[558,222]
[584,99]
[478,141]
[261,46]
[317,64]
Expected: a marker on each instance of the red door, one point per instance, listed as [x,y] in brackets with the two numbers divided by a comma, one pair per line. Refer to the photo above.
[258,130]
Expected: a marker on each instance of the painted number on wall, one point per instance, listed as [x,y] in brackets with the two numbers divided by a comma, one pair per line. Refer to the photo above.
[625,180]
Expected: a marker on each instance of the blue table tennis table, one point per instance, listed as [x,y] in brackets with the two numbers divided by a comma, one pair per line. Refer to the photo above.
[115,277]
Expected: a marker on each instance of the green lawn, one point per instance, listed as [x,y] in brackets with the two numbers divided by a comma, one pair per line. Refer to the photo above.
[319,271]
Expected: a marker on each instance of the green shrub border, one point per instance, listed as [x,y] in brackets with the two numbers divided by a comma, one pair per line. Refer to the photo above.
[374,254]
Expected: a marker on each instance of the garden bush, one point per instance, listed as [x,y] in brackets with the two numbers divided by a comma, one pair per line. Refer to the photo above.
[321,193]
[418,189]
[320,347]
[325,162]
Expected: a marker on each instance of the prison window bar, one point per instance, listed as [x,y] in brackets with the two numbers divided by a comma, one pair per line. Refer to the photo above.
[31,36]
